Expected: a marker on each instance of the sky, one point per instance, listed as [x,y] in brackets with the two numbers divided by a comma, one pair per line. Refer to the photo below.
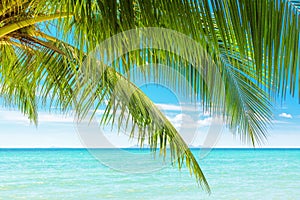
[55,130]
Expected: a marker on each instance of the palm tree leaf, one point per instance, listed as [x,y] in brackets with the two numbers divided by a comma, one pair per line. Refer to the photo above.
[258,36]
[51,78]
[125,98]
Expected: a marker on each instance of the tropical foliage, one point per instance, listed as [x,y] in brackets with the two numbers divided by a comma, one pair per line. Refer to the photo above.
[254,44]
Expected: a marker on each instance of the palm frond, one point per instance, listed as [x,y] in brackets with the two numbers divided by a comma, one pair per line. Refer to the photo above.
[266,32]
[148,123]
[50,76]
[34,72]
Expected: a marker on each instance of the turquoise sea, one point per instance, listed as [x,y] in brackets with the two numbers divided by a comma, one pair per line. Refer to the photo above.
[77,174]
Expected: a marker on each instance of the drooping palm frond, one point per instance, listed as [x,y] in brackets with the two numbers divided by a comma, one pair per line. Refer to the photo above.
[246,108]
[253,44]
[33,65]
[126,102]
[266,33]
[30,75]
[258,38]
[48,69]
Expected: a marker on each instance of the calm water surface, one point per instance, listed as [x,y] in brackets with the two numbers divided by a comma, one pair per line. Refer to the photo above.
[76,174]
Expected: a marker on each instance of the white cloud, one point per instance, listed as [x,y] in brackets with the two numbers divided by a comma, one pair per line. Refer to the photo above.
[285,115]
[18,117]
[187,121]
[205,122]
[183,118]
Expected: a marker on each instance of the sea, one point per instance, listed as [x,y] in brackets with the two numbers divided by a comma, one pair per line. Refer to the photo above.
[131,174]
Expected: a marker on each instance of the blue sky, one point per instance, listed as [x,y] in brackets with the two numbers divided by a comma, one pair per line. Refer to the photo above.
[57,130]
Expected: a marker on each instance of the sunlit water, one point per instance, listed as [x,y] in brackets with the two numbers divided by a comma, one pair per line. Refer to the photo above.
[76,174]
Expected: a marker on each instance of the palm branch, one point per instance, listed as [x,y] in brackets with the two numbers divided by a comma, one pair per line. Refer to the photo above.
[254,45]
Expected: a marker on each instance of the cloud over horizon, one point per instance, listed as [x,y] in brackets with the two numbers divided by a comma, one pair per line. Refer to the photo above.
[286,115]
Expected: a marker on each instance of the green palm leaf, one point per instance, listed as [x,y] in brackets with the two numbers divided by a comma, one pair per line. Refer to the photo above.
[253,44]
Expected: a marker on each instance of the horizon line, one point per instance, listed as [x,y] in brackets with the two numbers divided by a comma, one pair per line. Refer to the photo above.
[145,148]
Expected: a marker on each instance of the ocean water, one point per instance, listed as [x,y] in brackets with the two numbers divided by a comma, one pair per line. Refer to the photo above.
[79,174]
